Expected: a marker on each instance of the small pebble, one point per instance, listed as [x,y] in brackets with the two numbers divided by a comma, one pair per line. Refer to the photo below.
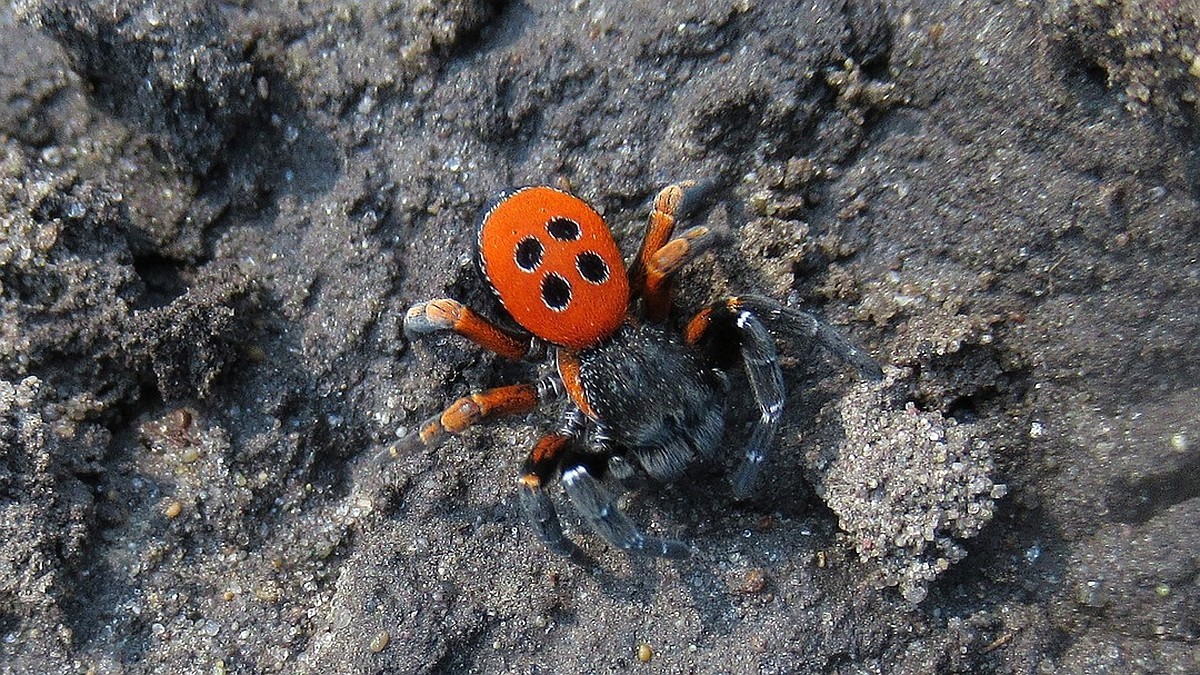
[380,641]
[754,581]
[644,653]
[173,509]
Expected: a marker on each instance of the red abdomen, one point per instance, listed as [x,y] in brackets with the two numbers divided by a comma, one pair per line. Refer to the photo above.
[555,267]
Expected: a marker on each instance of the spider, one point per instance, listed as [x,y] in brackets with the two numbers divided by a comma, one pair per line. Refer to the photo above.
[643,401]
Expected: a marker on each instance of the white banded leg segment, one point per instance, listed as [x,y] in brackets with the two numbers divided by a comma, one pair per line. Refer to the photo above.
[539,513]
[790,321]
[540,466]
[598,506]
[766,382]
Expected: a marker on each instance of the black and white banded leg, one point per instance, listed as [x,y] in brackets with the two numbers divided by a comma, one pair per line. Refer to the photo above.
[787,322]
[598,506]
[539,469]
[539,513]
[766,383]
[743,321]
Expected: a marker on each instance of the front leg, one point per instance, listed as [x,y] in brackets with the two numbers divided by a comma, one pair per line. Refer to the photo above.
[598,507]
[660,255]
[659,229]
[786,321]
[540,467]
[444,314]
[714,321]
[662,265]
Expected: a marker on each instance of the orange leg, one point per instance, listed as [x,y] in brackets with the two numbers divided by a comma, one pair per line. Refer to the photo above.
[656,298]
[474,409]
[698,327]
[570,370]
[445,314]
[658,231]
[710,321]
[542,461]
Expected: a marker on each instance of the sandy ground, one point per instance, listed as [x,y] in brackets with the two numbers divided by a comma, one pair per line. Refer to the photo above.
[214,219]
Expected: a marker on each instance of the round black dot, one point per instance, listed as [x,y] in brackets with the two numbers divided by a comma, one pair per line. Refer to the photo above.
[592,267]
[563,228]
[529,254]
[556,292]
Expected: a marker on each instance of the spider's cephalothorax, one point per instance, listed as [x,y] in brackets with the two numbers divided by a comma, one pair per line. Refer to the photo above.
[644,402]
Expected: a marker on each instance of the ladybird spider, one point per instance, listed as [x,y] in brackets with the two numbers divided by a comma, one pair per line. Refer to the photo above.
[643,402]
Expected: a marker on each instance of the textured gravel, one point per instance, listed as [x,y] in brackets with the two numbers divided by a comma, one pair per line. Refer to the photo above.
[213,217]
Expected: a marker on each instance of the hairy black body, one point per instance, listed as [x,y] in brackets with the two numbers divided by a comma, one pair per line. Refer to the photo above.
[670,406]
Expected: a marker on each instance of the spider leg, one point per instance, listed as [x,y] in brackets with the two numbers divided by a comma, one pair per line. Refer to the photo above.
[656,296]
[785,322]
[539,468]
[598,507]
[789,322]
[475,409]
[659,229]
[444,314]
[766,382]
[648,278]
[741,319]
[591,499]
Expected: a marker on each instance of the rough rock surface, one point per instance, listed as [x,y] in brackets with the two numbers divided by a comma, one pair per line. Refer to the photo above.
[213,217]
